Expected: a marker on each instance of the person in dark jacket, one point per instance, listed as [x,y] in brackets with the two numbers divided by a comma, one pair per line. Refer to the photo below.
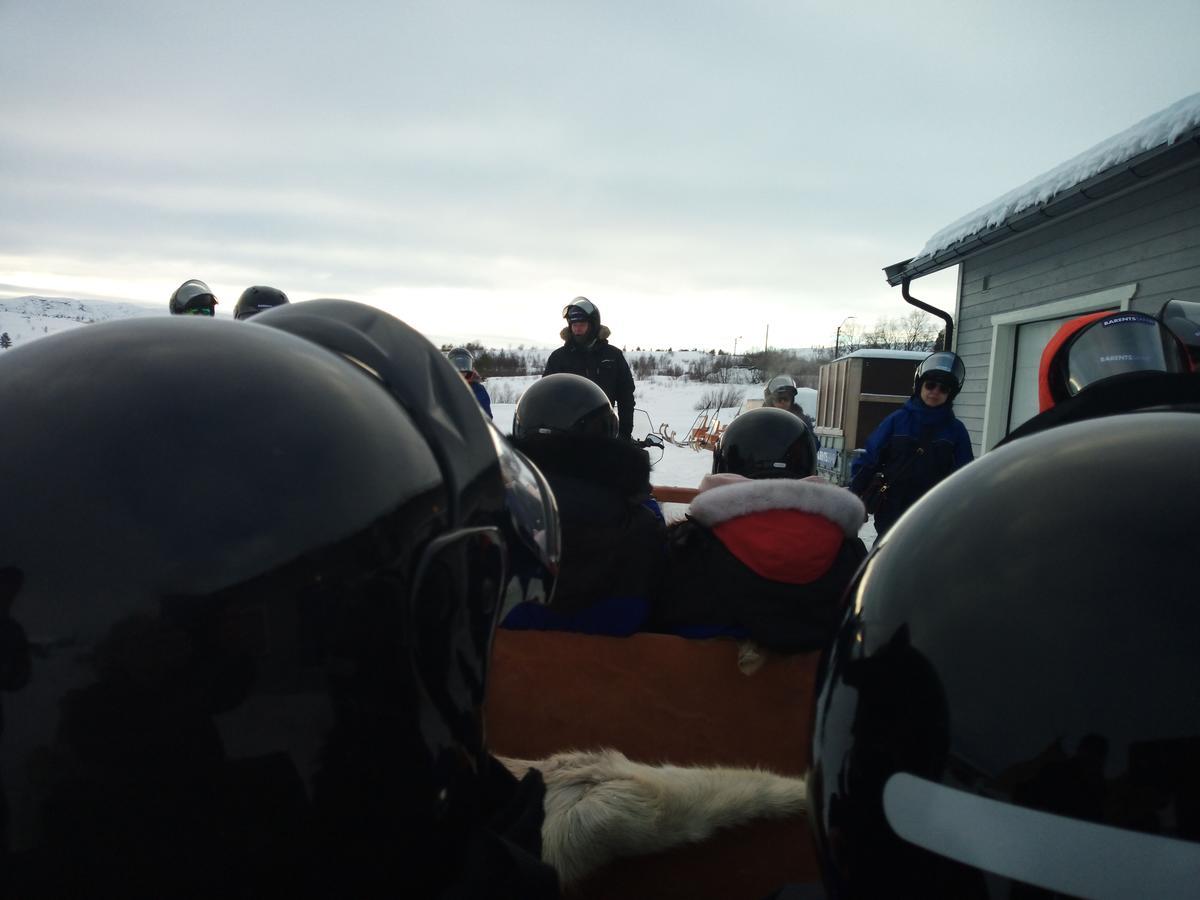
[916,446]
[587,352]
[462,360]
[612,544]
[767,548]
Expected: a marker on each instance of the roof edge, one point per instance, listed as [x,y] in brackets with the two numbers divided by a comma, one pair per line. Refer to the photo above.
[1118,179]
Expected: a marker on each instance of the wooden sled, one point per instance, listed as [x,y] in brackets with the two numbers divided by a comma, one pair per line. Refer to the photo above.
[659,698]
[667,494]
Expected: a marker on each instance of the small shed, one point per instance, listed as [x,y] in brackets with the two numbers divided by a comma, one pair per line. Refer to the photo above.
[1116,227]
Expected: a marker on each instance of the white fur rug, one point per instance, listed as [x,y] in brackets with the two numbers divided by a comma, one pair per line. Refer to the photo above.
[602,806]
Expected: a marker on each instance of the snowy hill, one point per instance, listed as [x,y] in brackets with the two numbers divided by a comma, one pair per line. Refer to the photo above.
[26,318]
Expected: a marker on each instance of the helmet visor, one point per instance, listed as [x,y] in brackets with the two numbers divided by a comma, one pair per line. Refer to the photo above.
[782,383]
[533,517]
[1119,345]
[581,303]
[194,293]
[945,364]
[461,359]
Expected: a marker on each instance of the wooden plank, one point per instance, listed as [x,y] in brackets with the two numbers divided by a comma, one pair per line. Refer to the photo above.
[669,494]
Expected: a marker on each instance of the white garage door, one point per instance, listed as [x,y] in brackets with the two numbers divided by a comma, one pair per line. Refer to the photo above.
[1032,338]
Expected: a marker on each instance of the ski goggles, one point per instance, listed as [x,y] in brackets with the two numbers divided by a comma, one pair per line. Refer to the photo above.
[934,384]
[1120,344]
[199,311]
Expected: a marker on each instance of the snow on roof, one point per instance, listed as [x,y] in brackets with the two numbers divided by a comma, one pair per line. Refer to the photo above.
[1161,128]
[886,354]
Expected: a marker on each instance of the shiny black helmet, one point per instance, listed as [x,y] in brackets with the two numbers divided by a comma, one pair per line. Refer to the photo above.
[943,367]
[257,299]
[461,359]
[244,633]
[193,298]
[1028,720]
[564,404]
[766,443]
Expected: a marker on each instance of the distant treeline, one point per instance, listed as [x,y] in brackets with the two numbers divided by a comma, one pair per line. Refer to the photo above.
[914,331]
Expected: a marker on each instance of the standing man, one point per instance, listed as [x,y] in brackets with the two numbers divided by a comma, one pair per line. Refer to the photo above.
[587,352]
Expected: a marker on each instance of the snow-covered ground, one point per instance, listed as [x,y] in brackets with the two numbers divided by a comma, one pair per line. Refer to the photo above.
[26,318]
[666,405]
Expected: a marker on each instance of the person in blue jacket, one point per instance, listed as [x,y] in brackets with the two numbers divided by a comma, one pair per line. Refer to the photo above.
[916,446]
[465,363]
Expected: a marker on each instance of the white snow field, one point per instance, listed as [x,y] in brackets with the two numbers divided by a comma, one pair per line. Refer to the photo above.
[664,404]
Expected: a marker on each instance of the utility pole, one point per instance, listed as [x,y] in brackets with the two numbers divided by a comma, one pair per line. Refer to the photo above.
[735,340]
[767,338]
[837,338]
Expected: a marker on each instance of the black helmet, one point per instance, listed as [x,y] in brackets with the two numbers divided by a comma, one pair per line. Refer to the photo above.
[564,404]
[943,367]
[766,443]
[193,297]
[257,299]
[581,309]
[244,633]
[1013,696]
[461,359]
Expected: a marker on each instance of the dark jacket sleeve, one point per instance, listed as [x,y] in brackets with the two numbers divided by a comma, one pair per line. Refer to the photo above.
[554,363]
[624,398]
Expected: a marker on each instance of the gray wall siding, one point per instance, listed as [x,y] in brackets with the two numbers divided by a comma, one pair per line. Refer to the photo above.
[1150,237]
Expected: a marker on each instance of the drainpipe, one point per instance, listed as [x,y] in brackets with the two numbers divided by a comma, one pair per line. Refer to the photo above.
[941,314]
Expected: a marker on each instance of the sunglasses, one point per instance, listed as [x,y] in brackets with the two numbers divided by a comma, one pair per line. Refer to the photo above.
[936,386]
[200,311]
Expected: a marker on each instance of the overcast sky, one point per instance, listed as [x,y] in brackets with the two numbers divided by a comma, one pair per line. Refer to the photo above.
[700,170]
